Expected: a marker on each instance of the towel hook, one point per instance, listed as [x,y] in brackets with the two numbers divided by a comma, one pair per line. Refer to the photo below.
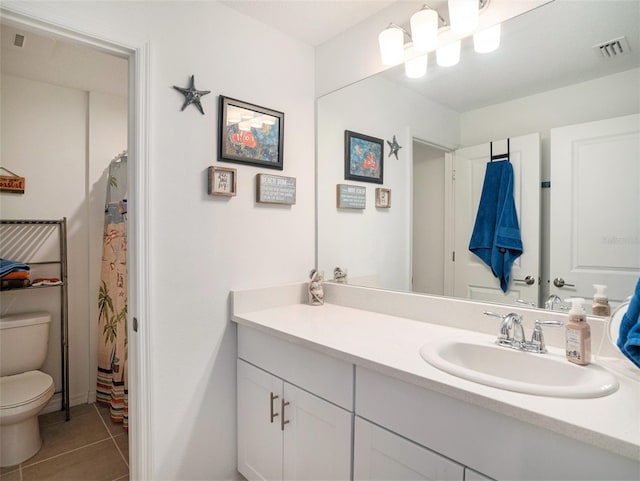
[500,156]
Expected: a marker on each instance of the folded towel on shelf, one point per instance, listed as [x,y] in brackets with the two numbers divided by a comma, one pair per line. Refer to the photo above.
[7,284]
[7,266]
[629,335]
[496,236]
[46,281]
[16,275]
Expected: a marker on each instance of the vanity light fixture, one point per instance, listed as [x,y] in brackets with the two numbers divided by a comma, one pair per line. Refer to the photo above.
[487,40]
[463,17]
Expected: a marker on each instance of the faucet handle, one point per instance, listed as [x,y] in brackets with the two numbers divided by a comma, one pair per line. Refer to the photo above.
[537,338]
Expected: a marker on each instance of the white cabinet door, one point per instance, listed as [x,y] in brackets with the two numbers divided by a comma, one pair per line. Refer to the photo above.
[317,438]
[382,455]
[472,278]
[259,434]
[595,207]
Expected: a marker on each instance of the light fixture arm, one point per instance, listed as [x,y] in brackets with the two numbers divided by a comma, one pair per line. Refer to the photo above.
[404,30]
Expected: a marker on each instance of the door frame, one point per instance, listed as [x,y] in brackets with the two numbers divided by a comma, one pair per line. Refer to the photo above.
[139,246]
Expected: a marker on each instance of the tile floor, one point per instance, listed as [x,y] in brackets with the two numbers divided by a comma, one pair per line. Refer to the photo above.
[88,447]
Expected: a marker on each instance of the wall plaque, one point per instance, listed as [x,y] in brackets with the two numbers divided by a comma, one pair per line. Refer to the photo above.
[351,196]
[275,189]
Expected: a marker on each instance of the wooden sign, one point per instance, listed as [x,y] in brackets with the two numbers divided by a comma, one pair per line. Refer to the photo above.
[12,184]
[351,196]
[275,189]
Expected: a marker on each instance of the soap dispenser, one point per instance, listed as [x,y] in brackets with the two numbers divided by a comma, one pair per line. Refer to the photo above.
[578,334]
[600,304]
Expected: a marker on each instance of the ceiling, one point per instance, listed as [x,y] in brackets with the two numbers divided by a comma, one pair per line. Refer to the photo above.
[543,49]
[310,21]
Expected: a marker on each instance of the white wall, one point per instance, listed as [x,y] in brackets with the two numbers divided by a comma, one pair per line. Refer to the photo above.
[62,139]
[201,247]
[428,219]
[606,97]
[373,241]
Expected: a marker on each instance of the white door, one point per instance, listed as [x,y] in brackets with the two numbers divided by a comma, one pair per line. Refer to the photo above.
[259,429]
[595,207]
[317,438]
[473,279]
[382,455]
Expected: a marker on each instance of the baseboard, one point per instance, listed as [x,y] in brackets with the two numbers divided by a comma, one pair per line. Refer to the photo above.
[55,403]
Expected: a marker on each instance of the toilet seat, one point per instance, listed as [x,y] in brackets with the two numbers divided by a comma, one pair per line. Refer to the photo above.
[25,388]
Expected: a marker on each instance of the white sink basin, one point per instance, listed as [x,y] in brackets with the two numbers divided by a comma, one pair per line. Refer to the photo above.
[480,360]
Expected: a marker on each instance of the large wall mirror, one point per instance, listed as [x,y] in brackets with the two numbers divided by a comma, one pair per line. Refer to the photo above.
[571,114]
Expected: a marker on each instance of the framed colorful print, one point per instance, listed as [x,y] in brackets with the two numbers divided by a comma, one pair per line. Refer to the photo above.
[222,181]
[363,157]
[249,134]
[383,197]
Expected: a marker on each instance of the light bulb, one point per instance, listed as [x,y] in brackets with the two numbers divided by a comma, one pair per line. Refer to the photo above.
[487,40]
[463,16]
[416,64]
[391,41]
[424,30]
[448,55]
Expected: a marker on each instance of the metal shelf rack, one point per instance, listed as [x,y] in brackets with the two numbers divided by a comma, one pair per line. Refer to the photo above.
[64,296]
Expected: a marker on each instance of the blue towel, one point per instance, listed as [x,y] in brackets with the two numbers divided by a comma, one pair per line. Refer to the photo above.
[496,234]
[629,336]
[7,266]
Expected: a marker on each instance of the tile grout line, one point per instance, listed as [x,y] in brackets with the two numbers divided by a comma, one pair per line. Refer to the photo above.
[62,454]
[95,405]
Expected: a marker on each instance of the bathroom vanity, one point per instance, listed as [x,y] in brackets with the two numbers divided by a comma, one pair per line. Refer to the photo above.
[341,392]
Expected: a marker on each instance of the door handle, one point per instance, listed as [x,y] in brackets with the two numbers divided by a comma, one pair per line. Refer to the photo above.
[529,280]
[283,403]
[271,413]
[559,282]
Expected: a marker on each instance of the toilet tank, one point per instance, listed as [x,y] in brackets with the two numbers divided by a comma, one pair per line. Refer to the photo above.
[24,339]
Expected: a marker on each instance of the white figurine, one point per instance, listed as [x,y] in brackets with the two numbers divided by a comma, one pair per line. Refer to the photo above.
[316,294]
[339,276]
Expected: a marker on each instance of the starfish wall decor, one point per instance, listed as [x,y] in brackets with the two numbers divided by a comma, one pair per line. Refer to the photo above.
[394,147]
[192,96]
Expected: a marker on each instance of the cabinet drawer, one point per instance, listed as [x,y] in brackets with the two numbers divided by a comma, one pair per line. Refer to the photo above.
[499,446]
[326,377]
[382,455]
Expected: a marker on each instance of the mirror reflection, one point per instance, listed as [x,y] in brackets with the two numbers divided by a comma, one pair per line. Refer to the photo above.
[571,116]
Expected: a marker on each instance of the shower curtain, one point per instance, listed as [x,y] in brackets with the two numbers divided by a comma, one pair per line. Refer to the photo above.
[112,389]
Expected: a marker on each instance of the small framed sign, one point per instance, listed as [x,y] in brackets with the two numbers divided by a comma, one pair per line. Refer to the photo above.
[275,189]
[351,196]
[383,197]
[222,181]
[13,183]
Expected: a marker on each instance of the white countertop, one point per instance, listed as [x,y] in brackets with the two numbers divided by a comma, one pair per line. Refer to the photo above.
[391,345]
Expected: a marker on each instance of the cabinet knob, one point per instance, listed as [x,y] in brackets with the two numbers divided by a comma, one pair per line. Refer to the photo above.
[271,412]
[283,403]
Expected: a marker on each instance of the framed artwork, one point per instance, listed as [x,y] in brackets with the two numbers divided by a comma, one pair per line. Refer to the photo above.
[249,134]
[383,197]
[363,157]
[222,181]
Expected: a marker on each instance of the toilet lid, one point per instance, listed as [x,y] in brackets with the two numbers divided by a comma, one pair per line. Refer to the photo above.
[24,388]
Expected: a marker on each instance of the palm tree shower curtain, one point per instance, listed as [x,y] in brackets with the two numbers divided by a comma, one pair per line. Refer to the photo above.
[112,389]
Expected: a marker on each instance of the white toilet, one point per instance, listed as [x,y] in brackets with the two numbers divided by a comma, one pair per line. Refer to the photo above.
[24,391]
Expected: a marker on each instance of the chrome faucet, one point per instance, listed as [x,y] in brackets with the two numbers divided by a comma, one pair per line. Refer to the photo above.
[512,333]
[551,301]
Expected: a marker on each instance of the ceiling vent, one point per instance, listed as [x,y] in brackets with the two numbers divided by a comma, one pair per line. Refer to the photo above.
[613,48]
[18,41]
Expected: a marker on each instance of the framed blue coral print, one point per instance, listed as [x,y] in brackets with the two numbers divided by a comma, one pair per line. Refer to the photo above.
[249,134]
[363,157]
